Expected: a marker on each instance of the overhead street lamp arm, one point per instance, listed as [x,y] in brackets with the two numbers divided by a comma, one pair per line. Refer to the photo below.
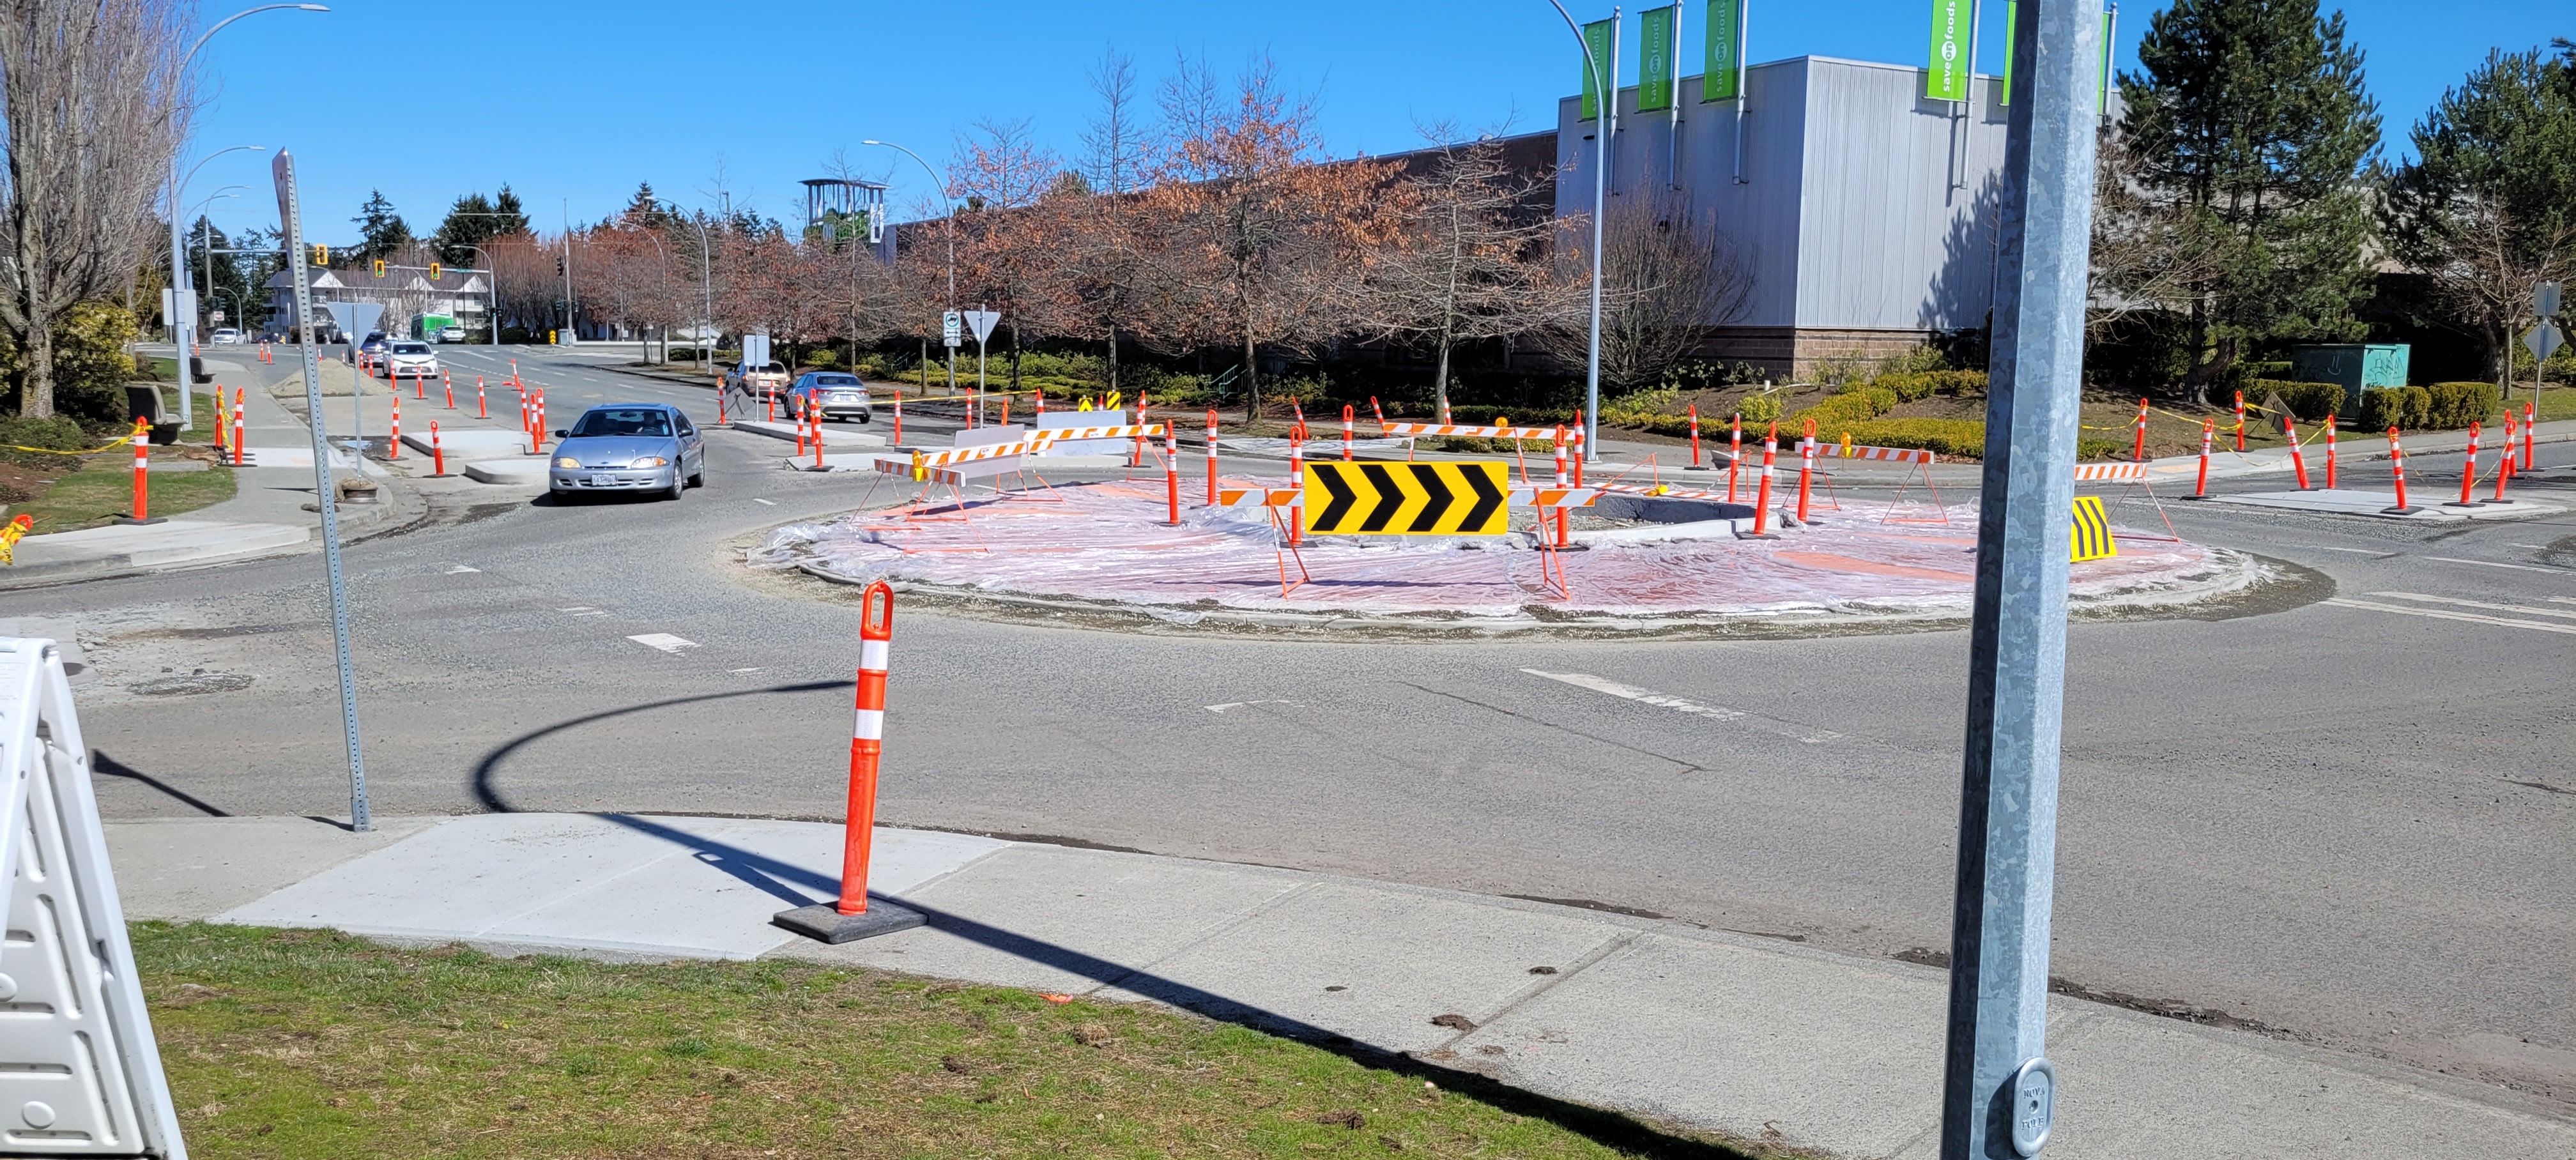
[1606,111]
[951,218]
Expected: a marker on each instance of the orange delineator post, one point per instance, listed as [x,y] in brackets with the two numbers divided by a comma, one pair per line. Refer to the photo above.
[437,453]
[447,382]
[1211,450]
[2298,460]
[1694,422]
[2240,420]
[1297,482]
[1762,502]
[1006,408]
[2139,452]
[1172,472]
[867,745]
[2530,419]
[818,440]
[1347,414]
[239,427]
[720,405]
[541,420]
[1582,447]
[2504,466]
[419,386]
[393,438]
[2469,470]
[142,471]
[2397,464]
[1806,466]
[479,411]
[1734,453]
[2208,431]
[219,420]
[2330,452]
[1560,455]
[898,418]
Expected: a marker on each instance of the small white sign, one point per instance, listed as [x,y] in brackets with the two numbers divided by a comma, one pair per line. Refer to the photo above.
[982,321]
[951,329]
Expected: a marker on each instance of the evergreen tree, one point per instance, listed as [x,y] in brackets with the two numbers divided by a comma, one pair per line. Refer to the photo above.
[645,211]
[2251,115]
[2488,207]
[381,231]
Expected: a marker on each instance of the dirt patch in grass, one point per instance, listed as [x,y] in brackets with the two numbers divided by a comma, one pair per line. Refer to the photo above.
[314,1044]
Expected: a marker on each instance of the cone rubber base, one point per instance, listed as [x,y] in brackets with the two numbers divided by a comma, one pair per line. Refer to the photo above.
[824,921]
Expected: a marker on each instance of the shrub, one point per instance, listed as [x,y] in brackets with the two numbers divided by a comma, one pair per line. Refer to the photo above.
[91,367]
[2384,407]
[1853,405]
[2456,405]
[1912,385]
[1951,438]
[1639,408]
[2309,401]
[1760,406]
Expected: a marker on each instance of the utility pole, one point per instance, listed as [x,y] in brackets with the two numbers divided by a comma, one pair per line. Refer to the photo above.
[569,335]
[1999,1092]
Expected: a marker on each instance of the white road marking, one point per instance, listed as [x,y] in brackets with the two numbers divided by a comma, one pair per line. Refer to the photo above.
[2473,603]
[770,502]
[1220,709]
[2493,564]
[663,641]
[1633,693]
[2354,551]
[2446,614]
[750,670]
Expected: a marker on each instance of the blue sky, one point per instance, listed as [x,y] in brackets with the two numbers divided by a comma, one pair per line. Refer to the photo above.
[573,103]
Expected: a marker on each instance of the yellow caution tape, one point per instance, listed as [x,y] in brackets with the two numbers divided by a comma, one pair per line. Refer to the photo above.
[128,440]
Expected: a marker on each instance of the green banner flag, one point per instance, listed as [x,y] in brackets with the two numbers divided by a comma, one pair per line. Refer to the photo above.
[1725,50]
[2012,22]
[1655,58]
[1952,26]
[1596,36]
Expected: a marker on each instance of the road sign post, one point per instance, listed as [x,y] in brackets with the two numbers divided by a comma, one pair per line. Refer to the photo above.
[982,322]
[1998,1097]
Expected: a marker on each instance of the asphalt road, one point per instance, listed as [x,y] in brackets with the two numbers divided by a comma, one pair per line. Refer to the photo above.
[2349,824]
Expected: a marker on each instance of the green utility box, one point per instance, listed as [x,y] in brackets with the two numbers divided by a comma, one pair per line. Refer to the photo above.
[2353,365]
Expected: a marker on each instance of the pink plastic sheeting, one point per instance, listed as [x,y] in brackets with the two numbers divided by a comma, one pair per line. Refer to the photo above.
[1107,542]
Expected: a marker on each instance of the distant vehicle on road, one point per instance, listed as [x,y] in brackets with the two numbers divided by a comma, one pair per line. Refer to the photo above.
[451,334]
[762,381]
[631,447]
[405,359]
[225,336]
[374,343]
[831,394]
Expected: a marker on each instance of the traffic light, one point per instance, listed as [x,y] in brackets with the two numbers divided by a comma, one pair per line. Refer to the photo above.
[321,255]
[433,271]
[380,267]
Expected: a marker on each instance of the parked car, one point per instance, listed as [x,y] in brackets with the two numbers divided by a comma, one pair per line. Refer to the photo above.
[451,334]
[760,382]
[225,336]
[831,394]
[406,359]
[632,447]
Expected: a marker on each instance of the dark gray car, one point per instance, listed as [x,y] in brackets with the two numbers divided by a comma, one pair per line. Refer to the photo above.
[646,447]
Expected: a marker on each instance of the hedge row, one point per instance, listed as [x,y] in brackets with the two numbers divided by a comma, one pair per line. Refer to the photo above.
[1912,385]
[2440,407]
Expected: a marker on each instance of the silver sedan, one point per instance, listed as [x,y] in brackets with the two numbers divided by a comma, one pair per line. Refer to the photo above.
[631,447]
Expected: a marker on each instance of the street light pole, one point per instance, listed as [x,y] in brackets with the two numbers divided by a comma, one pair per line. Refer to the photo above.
[181,329]
[952,245]
[707,283]
[1606,83]
[492,315]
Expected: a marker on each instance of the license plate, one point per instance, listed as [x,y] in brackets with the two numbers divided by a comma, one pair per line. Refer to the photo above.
[602,480]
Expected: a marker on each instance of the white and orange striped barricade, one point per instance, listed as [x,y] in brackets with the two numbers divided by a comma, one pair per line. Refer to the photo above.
[1502,429]
[854,915]
[1285,543]
[1920,462]
[2134,477]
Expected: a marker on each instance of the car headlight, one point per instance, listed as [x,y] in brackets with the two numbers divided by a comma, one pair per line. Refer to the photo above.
[567,462]
[650,461]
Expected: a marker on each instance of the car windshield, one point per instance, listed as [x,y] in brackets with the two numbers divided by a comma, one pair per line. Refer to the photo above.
[622,421]
[836,380]
[410,348]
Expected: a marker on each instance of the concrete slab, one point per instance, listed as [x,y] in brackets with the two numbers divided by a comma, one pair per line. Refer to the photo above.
[66,637]
[834,434]
[1713,1032]
[1302,965]
[301,455]
[529,470]
[472,441]
[608,885]
[162,545]
[192,868]
[1055,919]
[2432,507]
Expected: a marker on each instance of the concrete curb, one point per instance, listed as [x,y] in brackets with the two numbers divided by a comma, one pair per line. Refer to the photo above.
[97,553]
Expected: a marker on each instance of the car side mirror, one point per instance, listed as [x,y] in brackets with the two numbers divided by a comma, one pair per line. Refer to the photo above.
[560,433]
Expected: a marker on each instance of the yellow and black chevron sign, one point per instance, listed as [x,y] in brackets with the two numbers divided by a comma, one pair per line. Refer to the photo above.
[1407,499]
[2092,531]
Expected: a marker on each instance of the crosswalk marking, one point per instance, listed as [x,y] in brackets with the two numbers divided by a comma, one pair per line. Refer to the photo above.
[663,641]
[2474,603]
[2493,564]
[2447,614]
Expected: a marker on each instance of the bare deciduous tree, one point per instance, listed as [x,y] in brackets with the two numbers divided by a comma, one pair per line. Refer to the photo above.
[1469,262]
[96,107]
[2147,252]
[1667,276]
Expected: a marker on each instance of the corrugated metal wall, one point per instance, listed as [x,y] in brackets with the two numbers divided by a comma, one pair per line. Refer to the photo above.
[1894,232]
[1846,212]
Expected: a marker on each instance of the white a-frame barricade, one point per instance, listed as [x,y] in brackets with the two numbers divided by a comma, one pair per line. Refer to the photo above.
[79,1072]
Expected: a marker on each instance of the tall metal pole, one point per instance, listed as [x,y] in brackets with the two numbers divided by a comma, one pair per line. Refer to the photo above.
[952,241]
[1999,1091]
[290,218]
[571,326]
[1605,81]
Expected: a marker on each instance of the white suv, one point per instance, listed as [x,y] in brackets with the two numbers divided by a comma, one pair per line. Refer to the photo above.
[410,358]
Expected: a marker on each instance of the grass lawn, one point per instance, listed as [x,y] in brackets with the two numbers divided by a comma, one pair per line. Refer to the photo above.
[315,1044]
[103,489]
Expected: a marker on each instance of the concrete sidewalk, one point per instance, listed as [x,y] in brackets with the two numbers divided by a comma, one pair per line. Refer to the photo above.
[1753,1037]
